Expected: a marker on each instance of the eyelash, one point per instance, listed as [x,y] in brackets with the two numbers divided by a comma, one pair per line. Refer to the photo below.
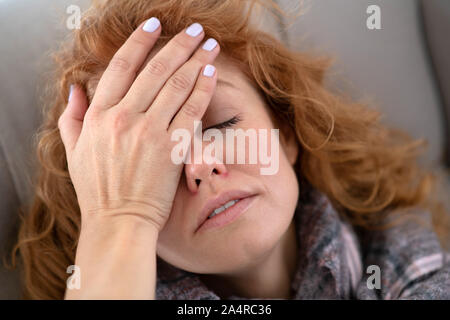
[227,123]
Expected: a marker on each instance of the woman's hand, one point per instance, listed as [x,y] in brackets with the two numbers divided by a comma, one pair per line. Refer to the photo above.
[118,153]
[118,150]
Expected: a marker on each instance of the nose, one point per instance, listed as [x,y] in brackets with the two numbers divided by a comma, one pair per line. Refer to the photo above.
[198,173]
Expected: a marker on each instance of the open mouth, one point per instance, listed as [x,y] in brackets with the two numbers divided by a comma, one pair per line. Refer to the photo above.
[223,208]
[227,208]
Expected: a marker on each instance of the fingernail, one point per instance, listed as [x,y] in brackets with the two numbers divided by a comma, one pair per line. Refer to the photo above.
[70,92]
[209,70]
[194,29]
[210,44]
[151,25]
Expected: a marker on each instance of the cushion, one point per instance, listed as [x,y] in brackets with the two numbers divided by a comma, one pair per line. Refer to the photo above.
[436,14]
[390,68]
[29,30]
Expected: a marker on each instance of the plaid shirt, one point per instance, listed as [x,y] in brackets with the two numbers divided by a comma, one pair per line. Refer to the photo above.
[334,258]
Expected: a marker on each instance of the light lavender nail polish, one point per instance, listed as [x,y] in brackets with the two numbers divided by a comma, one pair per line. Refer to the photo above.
[151,25]
[70,93]
[210,44]
[209,70]
[194,29]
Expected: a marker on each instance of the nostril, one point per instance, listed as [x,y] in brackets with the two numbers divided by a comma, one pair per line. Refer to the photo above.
[197,182]
[215,171]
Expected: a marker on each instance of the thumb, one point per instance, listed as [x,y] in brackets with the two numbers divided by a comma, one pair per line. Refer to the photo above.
[71,120]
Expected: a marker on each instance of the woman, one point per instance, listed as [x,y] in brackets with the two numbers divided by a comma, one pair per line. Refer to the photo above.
[347,195]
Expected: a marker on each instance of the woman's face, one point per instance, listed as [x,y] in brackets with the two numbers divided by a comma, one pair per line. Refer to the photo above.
[254,233]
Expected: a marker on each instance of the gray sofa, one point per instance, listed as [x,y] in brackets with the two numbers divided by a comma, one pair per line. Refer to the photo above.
[403,69]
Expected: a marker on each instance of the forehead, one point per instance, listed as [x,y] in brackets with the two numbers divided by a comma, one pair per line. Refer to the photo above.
[230,76]
[231,80]
[235,93]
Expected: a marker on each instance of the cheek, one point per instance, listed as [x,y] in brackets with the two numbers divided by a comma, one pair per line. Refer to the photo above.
[286,185]
[282,192]
[253,144]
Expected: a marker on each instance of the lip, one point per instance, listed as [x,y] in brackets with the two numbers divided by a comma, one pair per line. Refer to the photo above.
[220,201]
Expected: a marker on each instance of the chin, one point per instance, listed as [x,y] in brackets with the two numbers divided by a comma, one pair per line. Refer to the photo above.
[235,247]
[252,245]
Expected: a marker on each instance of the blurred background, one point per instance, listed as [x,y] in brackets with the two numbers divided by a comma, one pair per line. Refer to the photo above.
[401,69]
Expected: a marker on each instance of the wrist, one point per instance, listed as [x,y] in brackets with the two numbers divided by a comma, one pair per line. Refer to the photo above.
[129,213]
[105,232]
[117,258]
[117,222]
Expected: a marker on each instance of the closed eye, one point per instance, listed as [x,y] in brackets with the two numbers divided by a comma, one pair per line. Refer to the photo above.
[227,123]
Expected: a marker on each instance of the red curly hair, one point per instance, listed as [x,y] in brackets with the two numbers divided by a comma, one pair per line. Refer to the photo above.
[366,169]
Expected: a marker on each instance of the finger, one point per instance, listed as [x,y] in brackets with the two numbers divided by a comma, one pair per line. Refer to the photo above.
[121,71]
[178,88]
[71,120]
[197,103]
[155,74]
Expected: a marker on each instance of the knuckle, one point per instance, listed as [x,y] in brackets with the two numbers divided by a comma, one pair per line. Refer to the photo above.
[198,60]
[191,110]
[119,64]
[152,126]
[205,87]
[156,68]
[119,120]
[180,82]
[61,121]
[182,43]
[140,41]
[91,115]
[147,129]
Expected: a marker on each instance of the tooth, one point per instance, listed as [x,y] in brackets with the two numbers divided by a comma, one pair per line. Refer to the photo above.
[222,208]
[229,204]
[219,210]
